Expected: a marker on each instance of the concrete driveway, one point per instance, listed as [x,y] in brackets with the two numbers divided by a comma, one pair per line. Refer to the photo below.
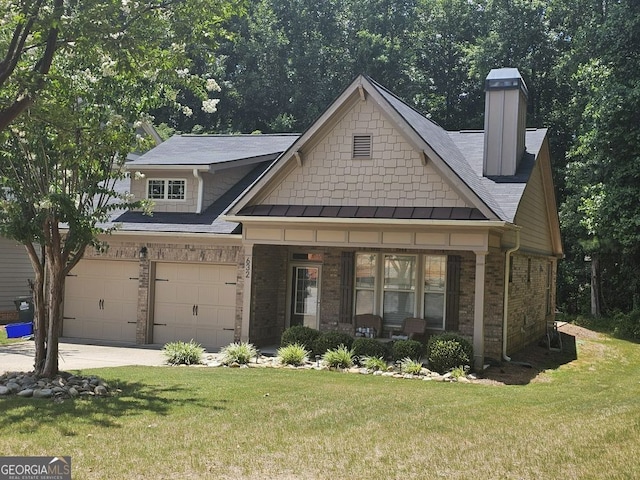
[78,355]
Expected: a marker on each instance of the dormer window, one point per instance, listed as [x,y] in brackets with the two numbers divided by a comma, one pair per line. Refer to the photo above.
[362,146]
[166,189]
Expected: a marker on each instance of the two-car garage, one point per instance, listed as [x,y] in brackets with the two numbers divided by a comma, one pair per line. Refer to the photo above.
[188,301]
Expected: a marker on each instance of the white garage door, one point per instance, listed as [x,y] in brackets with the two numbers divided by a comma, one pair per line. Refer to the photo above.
[195,301]
[101,300]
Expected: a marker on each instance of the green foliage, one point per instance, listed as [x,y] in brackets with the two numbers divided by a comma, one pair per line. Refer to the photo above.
[369,347]
[458,372]
[627,326]
[374,363]
[293,354]
[341,357]
[410,366]
[407,348]
[449,350]
[331,340]
[183,353]
[241,353]
[301,335]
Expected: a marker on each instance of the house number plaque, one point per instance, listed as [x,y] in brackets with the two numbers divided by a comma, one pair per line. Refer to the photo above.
[247,268]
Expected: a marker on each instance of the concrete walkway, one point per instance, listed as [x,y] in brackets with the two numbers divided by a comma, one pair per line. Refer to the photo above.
[78,355]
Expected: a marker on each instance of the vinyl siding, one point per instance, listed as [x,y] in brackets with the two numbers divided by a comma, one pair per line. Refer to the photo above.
[532,216]
[15,270]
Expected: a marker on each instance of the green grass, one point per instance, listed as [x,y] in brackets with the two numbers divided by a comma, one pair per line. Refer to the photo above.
[580,421]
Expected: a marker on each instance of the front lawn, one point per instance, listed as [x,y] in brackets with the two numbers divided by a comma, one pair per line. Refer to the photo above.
[579,421]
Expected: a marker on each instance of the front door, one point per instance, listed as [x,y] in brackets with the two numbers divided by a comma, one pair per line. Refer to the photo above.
[305,296]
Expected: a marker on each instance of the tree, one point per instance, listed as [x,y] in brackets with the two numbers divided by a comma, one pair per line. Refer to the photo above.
[61,158]
[30,26]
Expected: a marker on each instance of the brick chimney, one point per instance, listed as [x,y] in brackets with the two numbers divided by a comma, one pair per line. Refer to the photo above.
[505,117]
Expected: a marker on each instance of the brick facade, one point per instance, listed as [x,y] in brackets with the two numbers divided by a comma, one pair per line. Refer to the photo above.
[526,299]
[531,299]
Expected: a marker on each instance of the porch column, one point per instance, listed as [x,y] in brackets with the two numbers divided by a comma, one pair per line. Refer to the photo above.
[247,276]
[478,312]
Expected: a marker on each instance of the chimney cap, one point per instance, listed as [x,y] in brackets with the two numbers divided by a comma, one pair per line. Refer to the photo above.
[506,79]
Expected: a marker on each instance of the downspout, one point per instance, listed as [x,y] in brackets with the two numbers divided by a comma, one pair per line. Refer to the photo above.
[196,174]
[505,312]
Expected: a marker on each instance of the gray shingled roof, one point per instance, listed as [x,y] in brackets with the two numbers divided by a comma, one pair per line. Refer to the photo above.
[505,190]
[214,149]
[461,151]
[206,222]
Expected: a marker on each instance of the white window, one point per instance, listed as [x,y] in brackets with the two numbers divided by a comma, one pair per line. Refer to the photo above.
[399,286]
[435,267]
[166,189]
[399,289]
[365,285]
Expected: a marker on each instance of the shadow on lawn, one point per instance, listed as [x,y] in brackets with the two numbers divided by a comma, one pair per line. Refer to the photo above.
[528,363]
[134,398]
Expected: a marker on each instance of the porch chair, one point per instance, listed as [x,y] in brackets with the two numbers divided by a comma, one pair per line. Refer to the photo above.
[368,320]
[413,327]
[554,338]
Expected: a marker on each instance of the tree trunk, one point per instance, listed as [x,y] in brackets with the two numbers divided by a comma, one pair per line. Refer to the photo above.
[55,290]
[596,306]
[40,312]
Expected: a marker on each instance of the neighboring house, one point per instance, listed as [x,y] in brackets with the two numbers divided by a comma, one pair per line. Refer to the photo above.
[15,273]
[374,209]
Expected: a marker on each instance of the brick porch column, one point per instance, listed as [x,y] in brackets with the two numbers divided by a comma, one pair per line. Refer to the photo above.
[247,275]
[478,312]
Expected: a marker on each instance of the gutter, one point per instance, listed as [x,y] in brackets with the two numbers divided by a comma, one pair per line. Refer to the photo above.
[196,174]
[505,312]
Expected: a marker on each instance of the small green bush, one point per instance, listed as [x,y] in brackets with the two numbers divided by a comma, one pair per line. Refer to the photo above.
[369,347]
[449,350]
[183,353]
[373,363]
[294,354]
[407,348]
[340,357]
[627,325]
[241,353]
[411,366]
[301,335]
[331,341]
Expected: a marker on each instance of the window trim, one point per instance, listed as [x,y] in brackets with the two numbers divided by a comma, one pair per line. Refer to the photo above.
[419,291]
[166,189]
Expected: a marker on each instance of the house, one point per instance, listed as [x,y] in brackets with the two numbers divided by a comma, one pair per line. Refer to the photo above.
[15,273]
[374,209]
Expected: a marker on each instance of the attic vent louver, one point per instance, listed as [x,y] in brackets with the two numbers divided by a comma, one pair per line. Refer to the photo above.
[362,146]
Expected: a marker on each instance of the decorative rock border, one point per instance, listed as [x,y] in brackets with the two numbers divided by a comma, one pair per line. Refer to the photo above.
[215,360]
[63,386]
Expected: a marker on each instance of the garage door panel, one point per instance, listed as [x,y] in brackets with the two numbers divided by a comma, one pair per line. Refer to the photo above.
[101,299]
[205,287]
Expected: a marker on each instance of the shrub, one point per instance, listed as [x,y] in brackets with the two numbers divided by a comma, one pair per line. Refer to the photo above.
[294,354]
[409,365]
[407,348]
[340,357]
[183,353]
[373,363]
[449,350]
[627,326]
[331,341]
[241,353]
[368,347]
[301,335]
